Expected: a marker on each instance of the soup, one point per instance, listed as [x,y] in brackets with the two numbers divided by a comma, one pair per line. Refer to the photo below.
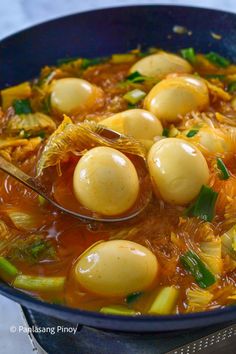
[174,116]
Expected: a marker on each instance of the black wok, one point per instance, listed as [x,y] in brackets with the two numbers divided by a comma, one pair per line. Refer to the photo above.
[100,33]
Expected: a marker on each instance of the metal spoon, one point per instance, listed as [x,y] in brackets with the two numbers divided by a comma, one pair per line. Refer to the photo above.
[36,186]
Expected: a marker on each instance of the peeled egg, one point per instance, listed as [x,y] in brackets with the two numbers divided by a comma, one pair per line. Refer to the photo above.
[161,64]
[177,96]
[138,123]
[73,95]
[178,170]
[105,181]
[116,268]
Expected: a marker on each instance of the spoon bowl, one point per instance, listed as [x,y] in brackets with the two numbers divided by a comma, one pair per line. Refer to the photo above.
[83,214]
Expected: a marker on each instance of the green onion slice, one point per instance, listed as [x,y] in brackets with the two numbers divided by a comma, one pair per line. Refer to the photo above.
[204,206]
[22,106]
[117,310]
[165,301]
[136,77]
[134,96]
[224,172]
[192,132]
[165,132]
[193,264]
[7,270]
[232,86]
[66,61]
[86,63]
[217,60]
[215,76]
[188,54]
[34,283]
[133,297]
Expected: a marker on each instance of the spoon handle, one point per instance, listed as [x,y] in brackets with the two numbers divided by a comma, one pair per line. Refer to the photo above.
[21,176]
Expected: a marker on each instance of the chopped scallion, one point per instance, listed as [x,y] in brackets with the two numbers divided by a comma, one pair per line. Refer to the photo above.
[217,60]
[10,94]
[42,201]
[32,249]
[165,301]
[224,172]
[136,77]
[134,96]
[117,310]
[232,86]
[34,283]
[133,297]
[189,54]
[86,63]
[65,61]
[131,106]
[46,105]
[165,132]
[122,58]
[193,264]
[215,76]
[7,270]
[204,206]
[22,106]
[192,133]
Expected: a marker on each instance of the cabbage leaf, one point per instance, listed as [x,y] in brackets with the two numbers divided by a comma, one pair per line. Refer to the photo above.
[32,124]
[198,299]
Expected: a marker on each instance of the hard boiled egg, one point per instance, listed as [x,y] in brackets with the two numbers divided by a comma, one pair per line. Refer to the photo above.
[161,64]
[116,268]
[73,95]
[178,170]
[176,96]
[138,123]
[105,181]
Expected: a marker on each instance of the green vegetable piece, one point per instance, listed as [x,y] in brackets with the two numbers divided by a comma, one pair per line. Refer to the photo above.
[193,264]
[192,133]
[32,249]
[189,54]
[86,63]
[117,310]
[7,270]
[165,132]
[232,86]
[46,105]
[224,172]
[134,96]
[131,106]
[133,297]
[22,106]
[122,58]
[42,201]
[204,206]
[217,60]
[65,61]
[136,77]
[34,283]
[165,301]
[215,76]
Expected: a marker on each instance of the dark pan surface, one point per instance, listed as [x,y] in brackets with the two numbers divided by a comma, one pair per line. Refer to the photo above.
[100,33]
